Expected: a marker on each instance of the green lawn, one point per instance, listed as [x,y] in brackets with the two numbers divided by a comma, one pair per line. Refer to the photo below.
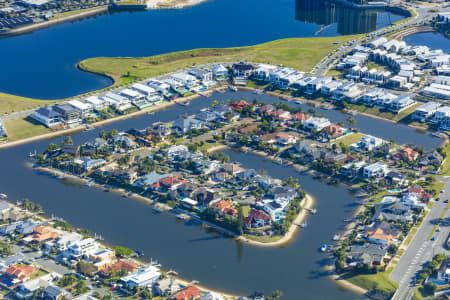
[298,53]
[22,128]
[349,139]
[11,103]
[445,168]
[379,281]
[375,111]
[245,210]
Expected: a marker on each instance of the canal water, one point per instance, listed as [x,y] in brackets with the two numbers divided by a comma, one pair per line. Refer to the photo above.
[217,262]
[433,40]
[42,64]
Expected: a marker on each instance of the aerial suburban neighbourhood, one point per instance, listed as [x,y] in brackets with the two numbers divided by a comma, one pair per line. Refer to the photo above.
[277,159]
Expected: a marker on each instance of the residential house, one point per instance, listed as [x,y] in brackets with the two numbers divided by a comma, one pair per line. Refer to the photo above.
[203,75]
[400,103]
[85,109]
[367,143]
[242,70]
[20,273]
[375,170]
[316,123]
[382,233]
[48,117]
[432,157]
[443,273]
[171,183]
[220,71]
[54,292]
[425,111]
[224,207]
[352,169]
[69,114]
[368,254]
[333,131]
[256,219]
[184,125]
[406,154]
[396,178]
[97,103]
[188,293]
[165,287]
[142,278]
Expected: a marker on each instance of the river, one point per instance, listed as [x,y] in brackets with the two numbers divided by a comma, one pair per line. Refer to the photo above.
[217,262]
[433,40]
[42,64]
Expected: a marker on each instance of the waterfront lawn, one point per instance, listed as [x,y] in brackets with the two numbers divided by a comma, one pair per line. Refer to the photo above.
[375,111]
[349,139]
[299,53]
[379,281]
[445,168]
[11,103]
[23,127]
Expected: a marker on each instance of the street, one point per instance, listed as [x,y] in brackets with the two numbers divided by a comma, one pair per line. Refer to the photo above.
[421,249]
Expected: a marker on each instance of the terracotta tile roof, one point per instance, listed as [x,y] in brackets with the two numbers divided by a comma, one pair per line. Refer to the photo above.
[21,272]
[239,105]
[171,181]
[301,116]
[189,293]
[258,215]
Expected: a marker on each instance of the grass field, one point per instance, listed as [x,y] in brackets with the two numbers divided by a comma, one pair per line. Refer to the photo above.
[445,168]
[379,281]
[11,103]
[299,53]
[375,111]
[22,128]
[349,139]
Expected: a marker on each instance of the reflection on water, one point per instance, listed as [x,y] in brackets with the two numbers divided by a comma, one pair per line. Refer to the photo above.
[348,20]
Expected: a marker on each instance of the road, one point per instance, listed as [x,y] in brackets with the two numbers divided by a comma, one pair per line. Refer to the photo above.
[421,249]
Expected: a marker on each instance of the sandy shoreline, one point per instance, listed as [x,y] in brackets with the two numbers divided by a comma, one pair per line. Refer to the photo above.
[168,4]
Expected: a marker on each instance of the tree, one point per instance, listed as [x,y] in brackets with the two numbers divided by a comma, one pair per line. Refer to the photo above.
[67,141]
[122,251]
[277,294]
[351,120]
[430,288]
[52,147]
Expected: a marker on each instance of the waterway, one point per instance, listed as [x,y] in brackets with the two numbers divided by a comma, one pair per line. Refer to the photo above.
[433,40]
[216,261]
[42,64]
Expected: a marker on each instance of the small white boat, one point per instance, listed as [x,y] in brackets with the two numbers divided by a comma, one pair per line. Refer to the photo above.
[324,248]
[303,225]
[336,237]
[234,89]
[3,196]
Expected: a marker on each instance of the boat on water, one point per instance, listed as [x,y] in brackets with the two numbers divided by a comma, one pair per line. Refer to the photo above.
[324,248]
[233,88]
[184,103]
[336,237]
[3,196]
[89,128]
[303,225]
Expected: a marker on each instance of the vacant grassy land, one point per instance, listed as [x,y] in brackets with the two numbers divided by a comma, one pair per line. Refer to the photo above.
[11,103]
[22,128]
[349,139]
[379,281]
[298,53]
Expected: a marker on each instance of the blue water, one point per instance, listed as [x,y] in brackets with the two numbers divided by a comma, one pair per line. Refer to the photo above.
[431,39]
[42,64]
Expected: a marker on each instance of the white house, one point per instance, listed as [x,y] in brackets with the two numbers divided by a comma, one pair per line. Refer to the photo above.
[375,170]
[142,278]
[82,248]
[367,143]
[97,103]
[316,123]
[84,108]
[441,113]
[425,111]
[117,101]
[132,95]
[401,102]
[144,90]
[48,117]
[220,71]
